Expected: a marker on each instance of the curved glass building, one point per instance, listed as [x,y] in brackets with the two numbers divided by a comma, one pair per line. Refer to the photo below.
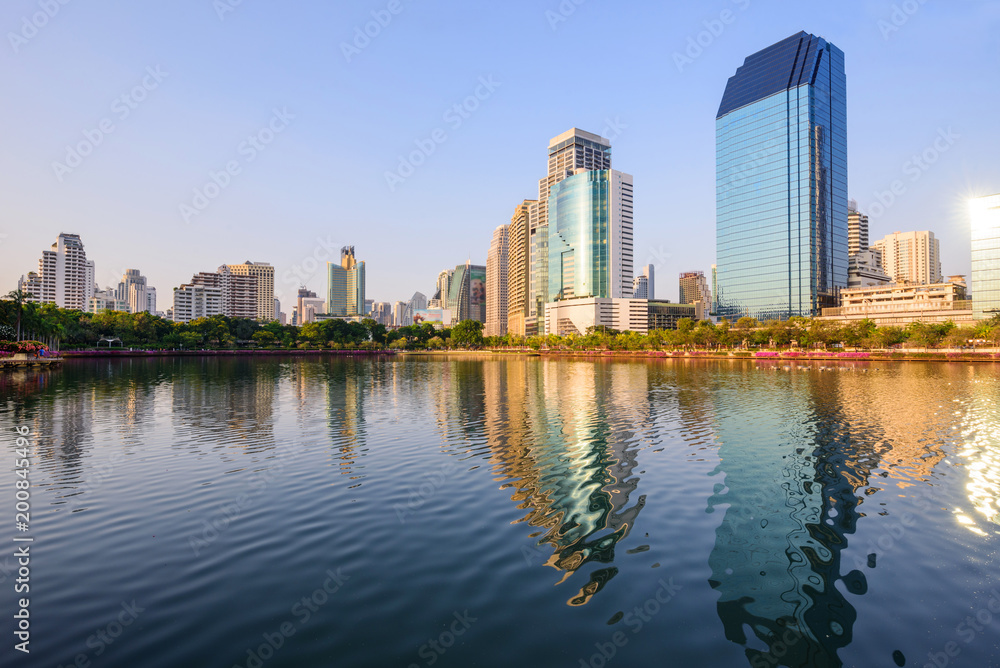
[781,182]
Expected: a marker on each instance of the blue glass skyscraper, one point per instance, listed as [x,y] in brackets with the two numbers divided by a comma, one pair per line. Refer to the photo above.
[781,182]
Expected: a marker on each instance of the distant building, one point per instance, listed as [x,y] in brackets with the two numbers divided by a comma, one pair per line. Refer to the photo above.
[467,293]
[134,291]
[239,292]
[715,289]
[694,288]
[399,315]
[346,285]
[643,285]
[664,315]
[65,277]
[864,269]
[900,304]
[151,300]
[519,266]
[857,230]
[382,313]
[196,301]
[577,316]
[496,282]
[913,257]
[986,256]
[264,273]
[106,300]
[369,305]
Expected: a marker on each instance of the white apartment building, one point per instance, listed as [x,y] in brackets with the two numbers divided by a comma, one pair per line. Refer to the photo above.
[913,257]
[64,278]
[197,301]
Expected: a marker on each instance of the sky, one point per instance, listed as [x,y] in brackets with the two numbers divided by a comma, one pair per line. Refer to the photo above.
[178,136]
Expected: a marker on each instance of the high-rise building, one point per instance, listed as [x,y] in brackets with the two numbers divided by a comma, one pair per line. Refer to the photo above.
[643,284]
[497,282]
[382,313]
[346,285]
[519,266]
[399,315]
[369,305]
[196,301]
[265,286]
[569,153]
[467,296]
[694,288]
[715,289]
[857,229]
[239,292]
[150,300]
[985,256]
[89,281]
[297,316]
[64,278]
[134,291]
[911,257]
[443,286]
[781,182]
[590,236]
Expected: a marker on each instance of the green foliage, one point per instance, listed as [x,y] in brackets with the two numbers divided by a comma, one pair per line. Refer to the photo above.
[468,334]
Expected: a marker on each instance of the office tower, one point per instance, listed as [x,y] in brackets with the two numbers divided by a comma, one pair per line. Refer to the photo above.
[642,285]
[857,229]
[346,285]
[369,305]
[519,266]
[781,182]
[64,277]
[913,257]
[590,236]
[196,301]
[569,153]
[496,282]
[239,293]
[443,285]
[694,288]
[985,256]
[418,302]
[265,286]
[467,296]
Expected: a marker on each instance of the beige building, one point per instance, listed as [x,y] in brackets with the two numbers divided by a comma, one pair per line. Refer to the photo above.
[913,257]
[265,286]
[900,304]
[519,265]
[496,283]
[239,292]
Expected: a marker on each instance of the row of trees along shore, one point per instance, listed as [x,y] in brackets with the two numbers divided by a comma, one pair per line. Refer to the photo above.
[71,329]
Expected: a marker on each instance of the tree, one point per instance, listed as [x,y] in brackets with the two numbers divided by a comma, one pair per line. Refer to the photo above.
[19,297]
[468,334]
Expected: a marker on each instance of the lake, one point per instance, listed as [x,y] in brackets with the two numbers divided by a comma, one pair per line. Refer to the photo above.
[504,511]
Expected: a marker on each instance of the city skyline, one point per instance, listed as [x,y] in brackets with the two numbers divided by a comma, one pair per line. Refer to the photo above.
[275,209]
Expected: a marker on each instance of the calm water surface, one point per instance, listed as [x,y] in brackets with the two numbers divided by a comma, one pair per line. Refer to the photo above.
[506,512]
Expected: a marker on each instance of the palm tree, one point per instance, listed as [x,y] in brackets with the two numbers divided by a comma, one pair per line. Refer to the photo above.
[19,296]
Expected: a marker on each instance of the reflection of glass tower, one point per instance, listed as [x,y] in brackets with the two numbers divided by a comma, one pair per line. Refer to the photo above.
[986,256]
[781,182]
[570,462]
[790,488]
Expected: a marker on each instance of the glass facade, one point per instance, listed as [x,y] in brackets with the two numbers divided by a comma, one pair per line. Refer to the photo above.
[985,257]
[467,293]
[781,182]
[539,295]
[580,236]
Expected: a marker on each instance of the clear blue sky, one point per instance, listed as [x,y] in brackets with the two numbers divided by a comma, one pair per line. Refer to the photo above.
[322,178]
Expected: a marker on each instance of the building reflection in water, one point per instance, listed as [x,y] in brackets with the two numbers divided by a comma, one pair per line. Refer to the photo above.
[562,440]
[981,458]
[790,487]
